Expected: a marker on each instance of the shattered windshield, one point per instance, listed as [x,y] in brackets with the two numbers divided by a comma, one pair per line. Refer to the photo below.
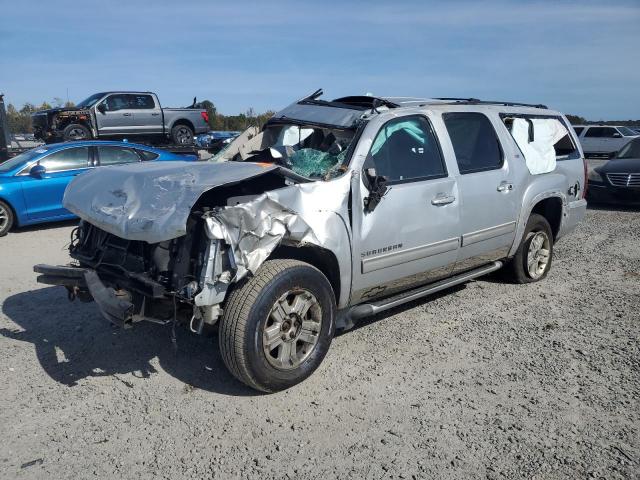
[311,151]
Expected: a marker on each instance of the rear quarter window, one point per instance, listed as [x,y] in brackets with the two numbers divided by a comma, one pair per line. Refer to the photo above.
[565,148]
[147,156]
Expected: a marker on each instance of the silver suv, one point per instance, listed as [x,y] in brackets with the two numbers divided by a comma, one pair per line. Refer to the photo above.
[333,211]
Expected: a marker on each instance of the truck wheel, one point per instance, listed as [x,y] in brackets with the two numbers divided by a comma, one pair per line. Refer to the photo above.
[6,219]
[532,260]
[278,325]
[75,131]
[182,135]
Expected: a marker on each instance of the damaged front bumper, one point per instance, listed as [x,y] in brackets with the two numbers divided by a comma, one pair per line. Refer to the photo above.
[84,283]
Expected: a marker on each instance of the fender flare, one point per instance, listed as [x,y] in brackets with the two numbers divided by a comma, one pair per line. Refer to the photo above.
[527,208]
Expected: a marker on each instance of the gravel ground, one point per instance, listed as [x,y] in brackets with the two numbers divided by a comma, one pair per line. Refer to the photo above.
[487,380]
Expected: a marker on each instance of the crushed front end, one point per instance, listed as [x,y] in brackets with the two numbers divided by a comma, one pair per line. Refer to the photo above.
[132,280]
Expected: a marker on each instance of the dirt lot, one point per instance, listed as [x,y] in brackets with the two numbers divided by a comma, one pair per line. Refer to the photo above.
[485,381]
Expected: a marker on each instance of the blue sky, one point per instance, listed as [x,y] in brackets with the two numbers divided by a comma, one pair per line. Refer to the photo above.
[579,57]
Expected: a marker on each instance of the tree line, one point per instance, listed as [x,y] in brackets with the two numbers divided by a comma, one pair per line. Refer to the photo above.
[20,120]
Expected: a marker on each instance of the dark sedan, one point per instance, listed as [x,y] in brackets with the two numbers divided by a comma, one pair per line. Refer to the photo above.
[617,180]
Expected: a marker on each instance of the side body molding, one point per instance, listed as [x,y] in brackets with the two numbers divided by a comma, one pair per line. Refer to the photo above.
[391,259]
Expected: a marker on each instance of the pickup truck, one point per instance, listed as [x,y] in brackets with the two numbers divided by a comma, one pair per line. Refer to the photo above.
[118,115]
[335,210]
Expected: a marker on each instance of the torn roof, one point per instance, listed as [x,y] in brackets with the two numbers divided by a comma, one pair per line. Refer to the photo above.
[345,112]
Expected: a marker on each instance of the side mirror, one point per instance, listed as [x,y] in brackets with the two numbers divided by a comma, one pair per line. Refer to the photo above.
[37,171]
[102,108]
[377,186]
[617,135]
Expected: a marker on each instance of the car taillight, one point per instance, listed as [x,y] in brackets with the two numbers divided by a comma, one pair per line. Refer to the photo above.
[205,116]
[586,178]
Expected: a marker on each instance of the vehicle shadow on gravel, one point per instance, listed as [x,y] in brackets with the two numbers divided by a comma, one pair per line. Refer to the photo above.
[73,342]
[45,226]
[367,321]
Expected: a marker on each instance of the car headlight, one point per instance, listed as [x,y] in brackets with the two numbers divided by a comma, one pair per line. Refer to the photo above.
[594,176]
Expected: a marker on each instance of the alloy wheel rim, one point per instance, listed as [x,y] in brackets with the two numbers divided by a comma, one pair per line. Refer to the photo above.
[4,218]
[538,255]
[77,134]
[183,135]
[292,329]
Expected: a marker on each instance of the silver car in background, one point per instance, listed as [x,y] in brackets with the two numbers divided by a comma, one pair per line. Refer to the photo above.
[333,211]
[604,140]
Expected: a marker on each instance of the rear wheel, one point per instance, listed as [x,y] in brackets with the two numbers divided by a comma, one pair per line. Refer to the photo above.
[6,219]
[278,325]
[182,135]
[532,260]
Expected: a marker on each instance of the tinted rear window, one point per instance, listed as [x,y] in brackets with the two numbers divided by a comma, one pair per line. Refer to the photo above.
[474,141]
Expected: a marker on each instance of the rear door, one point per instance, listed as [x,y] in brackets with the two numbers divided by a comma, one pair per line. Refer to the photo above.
[115,155]
[489,200]
[43,196]
[412,236]
[147,115]
[118,117]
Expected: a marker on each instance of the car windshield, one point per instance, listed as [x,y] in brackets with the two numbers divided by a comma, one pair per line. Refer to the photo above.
[18,160]
[91,101]
[627,132]
[630,150]
[308,150]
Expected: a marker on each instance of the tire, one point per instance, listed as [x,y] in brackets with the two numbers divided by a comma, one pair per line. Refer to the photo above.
[254,325]
[75,131]
[182,134]
[6,219]
[537,230]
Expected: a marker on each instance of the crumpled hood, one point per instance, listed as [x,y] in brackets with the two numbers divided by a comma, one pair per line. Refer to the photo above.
[150,201]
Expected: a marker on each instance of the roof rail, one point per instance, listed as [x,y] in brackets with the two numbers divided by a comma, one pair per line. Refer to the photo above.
[475,101]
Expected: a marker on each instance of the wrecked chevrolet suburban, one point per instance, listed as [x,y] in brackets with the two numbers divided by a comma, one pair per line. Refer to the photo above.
[335,210]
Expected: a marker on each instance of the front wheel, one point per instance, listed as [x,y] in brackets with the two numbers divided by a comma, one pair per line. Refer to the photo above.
[75,131]
[278,325]
[532,260]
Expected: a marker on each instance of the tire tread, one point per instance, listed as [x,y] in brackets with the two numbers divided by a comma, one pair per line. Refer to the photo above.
[236,315]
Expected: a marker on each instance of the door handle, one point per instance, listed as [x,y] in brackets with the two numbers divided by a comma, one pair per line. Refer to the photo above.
[440,200]
[126,114]
[505,187]
[155,114]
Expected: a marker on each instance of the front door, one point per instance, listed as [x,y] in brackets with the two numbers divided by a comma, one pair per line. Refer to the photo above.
[488,190]
[412,236]
[43,196]
[118,117]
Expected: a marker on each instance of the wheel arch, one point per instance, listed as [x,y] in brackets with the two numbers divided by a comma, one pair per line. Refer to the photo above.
[551,209]
[551,204]
[183,121]
[321,258]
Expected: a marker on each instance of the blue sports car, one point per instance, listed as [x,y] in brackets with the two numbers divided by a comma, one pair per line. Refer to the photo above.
[32,184]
